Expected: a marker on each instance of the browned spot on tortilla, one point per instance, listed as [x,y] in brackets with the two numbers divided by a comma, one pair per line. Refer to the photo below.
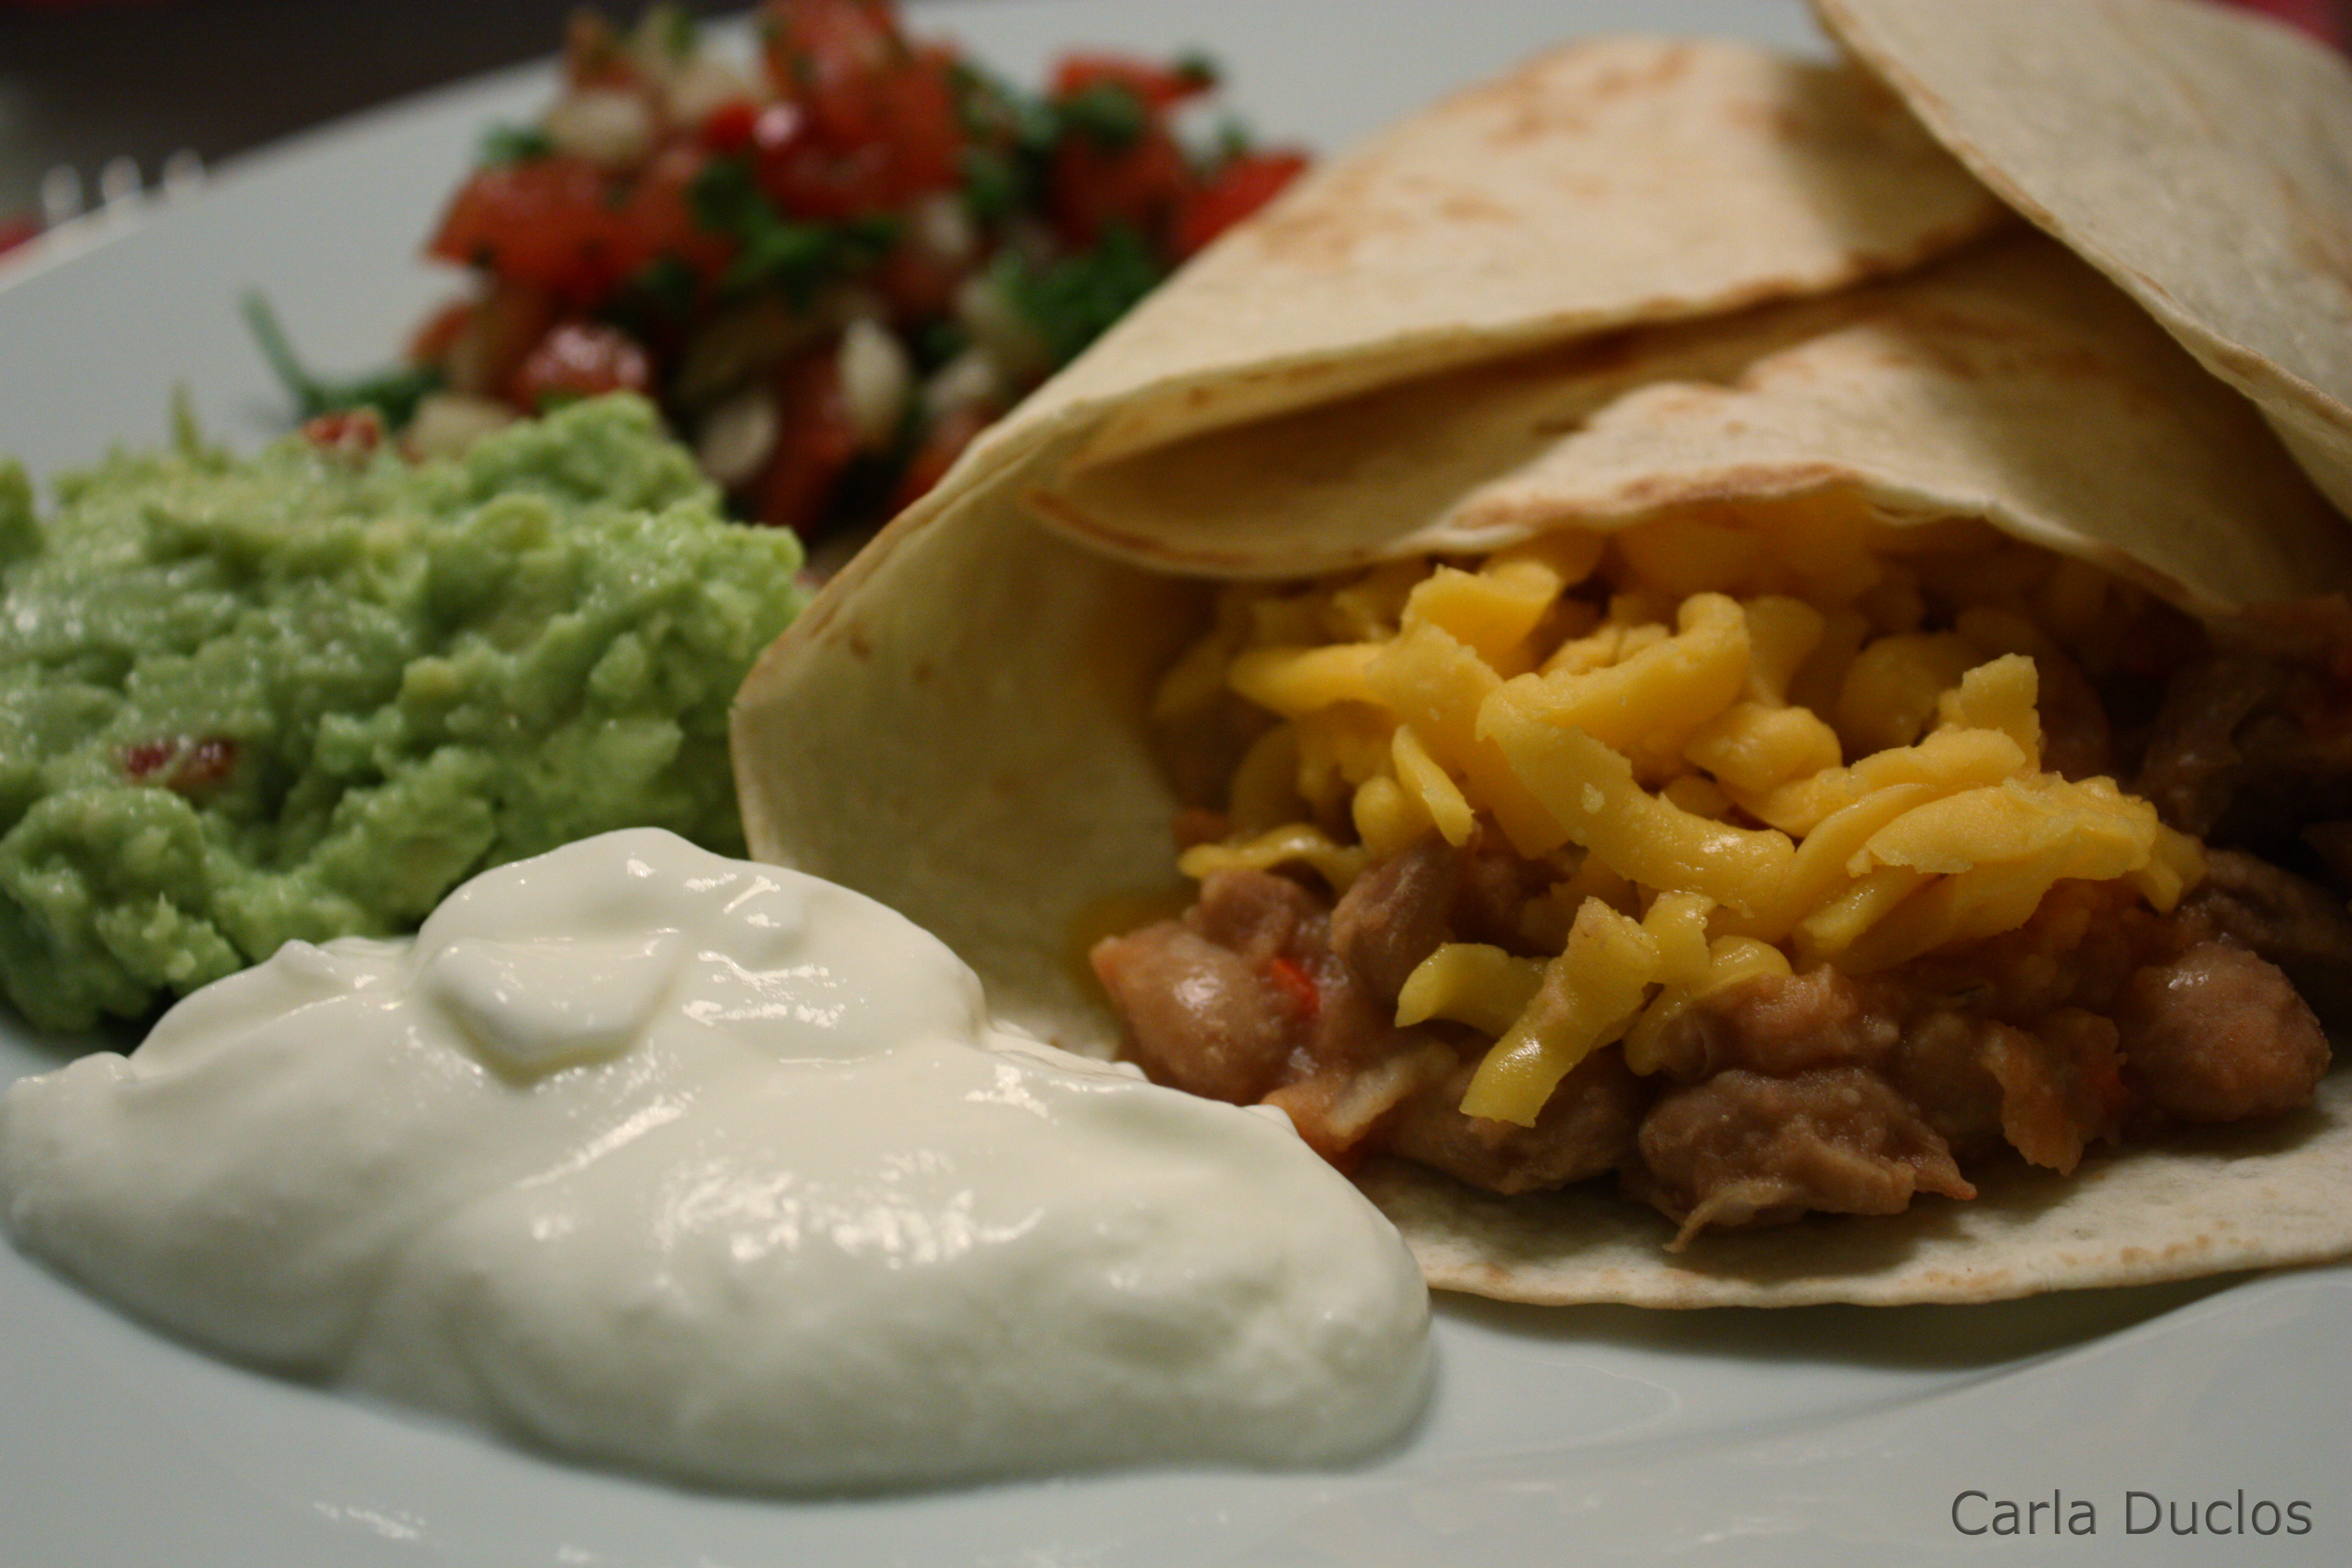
[1775,122]
[1549,98]
[2321,238]
[1322,231]
[1468,207]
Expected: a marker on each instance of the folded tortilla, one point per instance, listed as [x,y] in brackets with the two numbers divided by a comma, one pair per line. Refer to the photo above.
[1608,182]
[2199,156]
[958,725]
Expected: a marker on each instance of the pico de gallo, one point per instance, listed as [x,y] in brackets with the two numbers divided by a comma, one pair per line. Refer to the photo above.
[831,266]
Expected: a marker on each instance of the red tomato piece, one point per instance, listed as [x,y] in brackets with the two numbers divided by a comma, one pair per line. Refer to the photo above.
[814,442]
[881,121]
[186,765]
[1298,987]
[347,432]
[918,282]
[807,179]
[728,127]
[657,219]
[1140,185]
[580,359]
[546,222]
[813,44]
[1238,188]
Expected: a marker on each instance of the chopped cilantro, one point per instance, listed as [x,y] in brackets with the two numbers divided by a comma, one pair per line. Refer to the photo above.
[794,255]
[1071,301]
[668,284]
[392,394]
[995,184]
[724,193]
[1109,114]
[514,144]
[987,110]
[1198,68]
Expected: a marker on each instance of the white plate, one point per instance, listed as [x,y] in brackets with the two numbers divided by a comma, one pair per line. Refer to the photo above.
[1823,1438]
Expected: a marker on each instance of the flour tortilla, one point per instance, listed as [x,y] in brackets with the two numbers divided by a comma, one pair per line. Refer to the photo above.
[1604,184]
[2196,153]
[2009,383]
[2207,1201]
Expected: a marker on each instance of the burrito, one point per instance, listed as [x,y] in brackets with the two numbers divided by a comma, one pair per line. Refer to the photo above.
[1808,802]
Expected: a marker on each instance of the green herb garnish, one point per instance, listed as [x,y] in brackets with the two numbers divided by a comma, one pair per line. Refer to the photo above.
[1072,302]
[392,394]
[1109,114]
[504,144]
[794,255]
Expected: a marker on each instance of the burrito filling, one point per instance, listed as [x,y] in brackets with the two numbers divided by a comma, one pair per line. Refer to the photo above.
[1775,859]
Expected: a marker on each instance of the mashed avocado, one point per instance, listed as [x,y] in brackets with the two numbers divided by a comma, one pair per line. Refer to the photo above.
[304,695]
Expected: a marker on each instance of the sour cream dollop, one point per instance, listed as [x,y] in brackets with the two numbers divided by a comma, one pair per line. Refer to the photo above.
[716,1170]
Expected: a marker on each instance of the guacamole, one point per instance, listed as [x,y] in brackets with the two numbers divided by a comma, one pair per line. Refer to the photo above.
[305,694]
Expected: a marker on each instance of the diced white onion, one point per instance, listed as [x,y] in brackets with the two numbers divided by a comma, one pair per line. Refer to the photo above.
[735,440]
[608,125]
[875,378]
[447,423]
[700,85]
[969,379]
[942,226]
[997,326]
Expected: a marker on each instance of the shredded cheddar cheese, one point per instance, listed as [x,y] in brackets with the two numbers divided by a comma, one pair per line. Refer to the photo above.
[1737,742]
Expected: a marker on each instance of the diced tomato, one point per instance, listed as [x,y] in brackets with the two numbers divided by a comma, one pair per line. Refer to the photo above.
[881,115]
[1298,987]
[182,763]
[1238,188]
[811,42]
[1142,184]
[816,441]
[918,282]
[657,218]
[809,180]
[911,111]
[580,359]
[1159,86]
[347,432]
[728,127]
[942,445]
[575,232]
[546,222]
